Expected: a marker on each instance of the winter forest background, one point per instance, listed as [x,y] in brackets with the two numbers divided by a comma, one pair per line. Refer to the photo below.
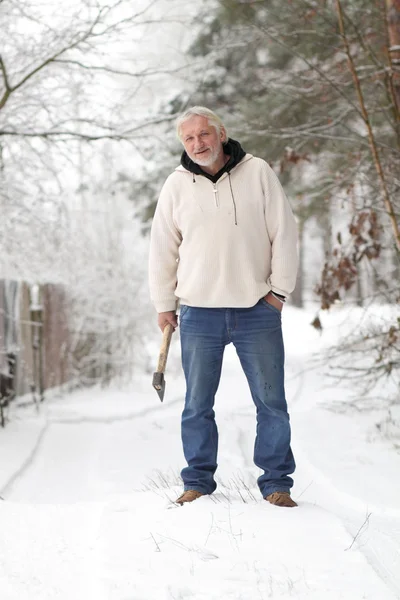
[89,91]
[89,457]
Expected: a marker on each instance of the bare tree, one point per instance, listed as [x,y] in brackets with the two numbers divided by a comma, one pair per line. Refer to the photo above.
[75,79]
[50,56]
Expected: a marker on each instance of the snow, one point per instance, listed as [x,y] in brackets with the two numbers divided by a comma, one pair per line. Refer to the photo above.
[89,481]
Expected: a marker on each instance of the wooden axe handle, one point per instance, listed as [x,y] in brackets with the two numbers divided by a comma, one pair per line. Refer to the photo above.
[162,359]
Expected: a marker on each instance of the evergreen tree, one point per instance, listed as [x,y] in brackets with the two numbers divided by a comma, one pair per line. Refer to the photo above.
[281,75]
[312,86]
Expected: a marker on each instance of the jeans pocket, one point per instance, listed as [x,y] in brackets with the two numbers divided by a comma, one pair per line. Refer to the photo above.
[183,310]
[273,308]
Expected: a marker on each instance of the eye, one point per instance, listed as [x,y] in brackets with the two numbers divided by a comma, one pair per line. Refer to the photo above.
[188,139]
[204,133]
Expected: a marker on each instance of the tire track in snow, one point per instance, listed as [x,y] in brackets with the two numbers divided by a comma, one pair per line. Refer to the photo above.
[383,553]
[92,419]
[352,512]
[27,463]
[31,460]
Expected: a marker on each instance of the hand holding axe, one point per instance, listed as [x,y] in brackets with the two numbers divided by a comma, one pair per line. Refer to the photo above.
[158,376]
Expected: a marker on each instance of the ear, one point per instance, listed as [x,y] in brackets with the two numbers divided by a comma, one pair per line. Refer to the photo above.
[222,134]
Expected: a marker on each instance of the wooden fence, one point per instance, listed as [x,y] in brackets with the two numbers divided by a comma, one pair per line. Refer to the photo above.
[34,339]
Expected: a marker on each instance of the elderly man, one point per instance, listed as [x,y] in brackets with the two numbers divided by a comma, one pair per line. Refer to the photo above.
[224,246]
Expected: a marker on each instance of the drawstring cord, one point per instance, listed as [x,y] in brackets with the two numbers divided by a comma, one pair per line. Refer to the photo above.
[233,197]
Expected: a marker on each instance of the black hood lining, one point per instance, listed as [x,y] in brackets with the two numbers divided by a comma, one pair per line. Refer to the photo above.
[231,148]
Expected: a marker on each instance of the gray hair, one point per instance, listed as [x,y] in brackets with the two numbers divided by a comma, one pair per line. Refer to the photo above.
[200,111]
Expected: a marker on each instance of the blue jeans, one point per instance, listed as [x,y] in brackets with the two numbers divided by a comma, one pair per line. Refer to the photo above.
[256,333]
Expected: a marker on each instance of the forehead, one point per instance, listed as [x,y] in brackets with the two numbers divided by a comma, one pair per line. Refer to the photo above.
[195,123]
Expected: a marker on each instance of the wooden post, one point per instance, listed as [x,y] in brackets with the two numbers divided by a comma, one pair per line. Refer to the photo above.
[36,316]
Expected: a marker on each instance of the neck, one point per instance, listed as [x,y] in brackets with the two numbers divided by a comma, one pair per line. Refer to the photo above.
[217,166]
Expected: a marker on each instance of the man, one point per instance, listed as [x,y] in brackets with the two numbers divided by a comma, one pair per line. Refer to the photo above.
[224,245]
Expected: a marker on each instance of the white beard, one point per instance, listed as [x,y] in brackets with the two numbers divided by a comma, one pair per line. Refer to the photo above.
[206,161]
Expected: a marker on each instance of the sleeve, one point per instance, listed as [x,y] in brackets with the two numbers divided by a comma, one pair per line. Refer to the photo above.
[282,230]
[165,239]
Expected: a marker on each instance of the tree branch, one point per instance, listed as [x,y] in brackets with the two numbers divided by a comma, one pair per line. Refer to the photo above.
[294,52]
[124,135]
[10,89]
[7,92]
[113,71]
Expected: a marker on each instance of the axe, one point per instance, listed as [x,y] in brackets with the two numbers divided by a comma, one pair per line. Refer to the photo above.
[158,376]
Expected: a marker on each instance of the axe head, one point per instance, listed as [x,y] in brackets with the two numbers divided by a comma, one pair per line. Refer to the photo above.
[159,384]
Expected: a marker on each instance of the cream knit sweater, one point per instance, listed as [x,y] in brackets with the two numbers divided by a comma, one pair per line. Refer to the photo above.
[225,244]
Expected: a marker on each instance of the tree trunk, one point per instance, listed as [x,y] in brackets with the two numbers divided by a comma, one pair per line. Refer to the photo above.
[297,295]
[393,21]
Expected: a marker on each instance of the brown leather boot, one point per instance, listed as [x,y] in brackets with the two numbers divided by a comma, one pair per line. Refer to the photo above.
[281,499]
[188,496]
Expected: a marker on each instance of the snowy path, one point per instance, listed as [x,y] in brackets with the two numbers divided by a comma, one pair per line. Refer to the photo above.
[90,515]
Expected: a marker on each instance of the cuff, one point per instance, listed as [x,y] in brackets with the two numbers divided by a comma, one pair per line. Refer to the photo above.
[165,306]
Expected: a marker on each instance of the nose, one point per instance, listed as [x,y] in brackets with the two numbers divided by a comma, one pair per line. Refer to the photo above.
[199,143]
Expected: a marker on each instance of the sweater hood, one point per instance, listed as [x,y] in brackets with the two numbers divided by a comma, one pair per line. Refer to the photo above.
[231,148]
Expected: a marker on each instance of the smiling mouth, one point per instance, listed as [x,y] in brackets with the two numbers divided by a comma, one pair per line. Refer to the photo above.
[202,151]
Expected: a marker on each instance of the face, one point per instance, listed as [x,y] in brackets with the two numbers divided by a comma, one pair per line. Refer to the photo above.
[202,142]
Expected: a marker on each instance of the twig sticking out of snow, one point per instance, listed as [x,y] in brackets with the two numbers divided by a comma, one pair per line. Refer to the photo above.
[366,523]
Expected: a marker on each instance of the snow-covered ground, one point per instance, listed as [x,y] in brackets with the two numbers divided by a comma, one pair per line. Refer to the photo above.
[88,486]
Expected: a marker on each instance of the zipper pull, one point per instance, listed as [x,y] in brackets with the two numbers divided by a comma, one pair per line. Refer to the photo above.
[215,192]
